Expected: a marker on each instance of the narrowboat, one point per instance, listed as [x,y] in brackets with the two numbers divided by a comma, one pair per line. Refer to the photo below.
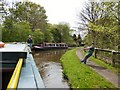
[48,46]
[17,68]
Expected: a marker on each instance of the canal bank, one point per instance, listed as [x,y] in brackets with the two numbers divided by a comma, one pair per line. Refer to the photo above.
[49,66]
[81,75]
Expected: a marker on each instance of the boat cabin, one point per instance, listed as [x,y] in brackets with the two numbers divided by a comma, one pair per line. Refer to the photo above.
[47,46]
[55,44]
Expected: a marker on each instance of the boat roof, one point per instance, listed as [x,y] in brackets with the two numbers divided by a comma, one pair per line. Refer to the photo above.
[55,43]
[14,47]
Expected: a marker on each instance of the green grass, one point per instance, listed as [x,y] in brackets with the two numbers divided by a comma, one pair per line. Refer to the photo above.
[80,75]
[103,64]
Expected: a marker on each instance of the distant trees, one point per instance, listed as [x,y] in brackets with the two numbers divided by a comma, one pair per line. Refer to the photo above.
[22,19]
[48,36]
[77,39]
[38,36]
[26,18]
[101,21]
[18,32]
[15,32]
[61,33]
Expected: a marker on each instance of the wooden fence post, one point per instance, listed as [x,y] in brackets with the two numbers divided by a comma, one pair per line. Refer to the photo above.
[113,58]
[96,53]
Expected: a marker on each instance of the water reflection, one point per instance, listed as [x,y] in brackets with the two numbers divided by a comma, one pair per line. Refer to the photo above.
[48,63]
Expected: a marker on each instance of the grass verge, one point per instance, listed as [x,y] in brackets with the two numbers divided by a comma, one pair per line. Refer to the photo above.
[80,75]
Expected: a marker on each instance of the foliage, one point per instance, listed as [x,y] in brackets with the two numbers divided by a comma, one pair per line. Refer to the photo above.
[61,33]
[38,36]
[0,32]
[29,12]
[77,39]
[102,22]
[20,31]
[26,17]
[48,37]
[15,32]
[80,75]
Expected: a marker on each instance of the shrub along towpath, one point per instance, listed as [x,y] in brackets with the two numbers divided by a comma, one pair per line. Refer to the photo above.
[80,75]
[103,71]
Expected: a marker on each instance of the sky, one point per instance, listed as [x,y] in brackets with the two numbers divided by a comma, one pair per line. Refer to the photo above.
[62,10]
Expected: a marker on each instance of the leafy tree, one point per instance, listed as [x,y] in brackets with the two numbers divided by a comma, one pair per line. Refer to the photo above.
[0,32]
[61,32]
[38,36]
[2,11]
[48,37]
[56,35]
[29,12]
[19,32]
[65,32]
[75,38]
[15,32]
[22,30]
[101,20]
[79,39]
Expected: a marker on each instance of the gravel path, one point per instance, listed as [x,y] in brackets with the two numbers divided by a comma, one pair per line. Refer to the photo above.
[108,74]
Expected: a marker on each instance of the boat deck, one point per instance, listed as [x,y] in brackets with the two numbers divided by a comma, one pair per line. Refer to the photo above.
[30,77]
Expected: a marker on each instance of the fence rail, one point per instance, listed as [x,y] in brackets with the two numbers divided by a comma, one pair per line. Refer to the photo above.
[112,52]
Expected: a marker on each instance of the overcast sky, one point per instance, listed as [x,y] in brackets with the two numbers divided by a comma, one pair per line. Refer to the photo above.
[62,10]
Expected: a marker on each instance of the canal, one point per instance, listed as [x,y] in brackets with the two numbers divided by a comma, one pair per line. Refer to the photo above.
[49,66]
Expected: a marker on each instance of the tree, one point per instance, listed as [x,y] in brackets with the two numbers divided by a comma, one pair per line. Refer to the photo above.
[29,12]
[101,21]
[38,36]
[48,37]
[61,32]
[2,11]
[75,38]
[0,32]
[15,32]
[79,39]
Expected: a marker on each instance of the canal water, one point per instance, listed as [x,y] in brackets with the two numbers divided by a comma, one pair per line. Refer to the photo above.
[49,66]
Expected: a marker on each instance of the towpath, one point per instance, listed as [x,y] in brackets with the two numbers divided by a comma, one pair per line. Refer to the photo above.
[107,74]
